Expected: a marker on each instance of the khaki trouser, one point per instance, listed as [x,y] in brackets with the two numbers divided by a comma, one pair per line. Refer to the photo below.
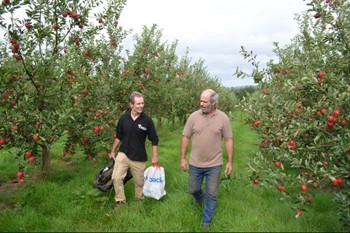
[121,165]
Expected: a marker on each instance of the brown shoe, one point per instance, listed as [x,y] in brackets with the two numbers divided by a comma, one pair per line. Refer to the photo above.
[119,204]
[141,198]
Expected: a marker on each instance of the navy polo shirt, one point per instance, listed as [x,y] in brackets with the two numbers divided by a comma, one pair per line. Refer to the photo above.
[132,135]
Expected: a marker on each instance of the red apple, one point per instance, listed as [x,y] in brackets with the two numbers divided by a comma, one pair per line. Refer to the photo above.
[330,125]
[55,26]
[2,141]
[19,174]
[256,181]
[320,75]
[13,102]
[148,70]
[35,137]
[256,123]
[292,144]
[22,181]
[309,176]
[303,188]
[84,91]
[75,37]
[27,25]
[337,181]
[277,164]
[64,14]
[100,20]
[336,112]
[15,49]
[74,15]
[13,41]
[31,159]
[331,118]
[29,154]
[85,139]
[299,212]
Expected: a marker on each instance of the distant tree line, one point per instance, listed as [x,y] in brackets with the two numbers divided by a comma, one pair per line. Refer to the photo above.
[241,92]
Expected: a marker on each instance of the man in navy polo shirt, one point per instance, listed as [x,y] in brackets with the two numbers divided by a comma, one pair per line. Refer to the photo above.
[132,130]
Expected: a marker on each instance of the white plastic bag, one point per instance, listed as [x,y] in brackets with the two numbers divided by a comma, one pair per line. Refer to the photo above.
[154,186]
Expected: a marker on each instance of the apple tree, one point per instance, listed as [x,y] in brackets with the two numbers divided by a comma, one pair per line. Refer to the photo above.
[151,67]
[301,109]
[191,78]
[170,85]
[47,61]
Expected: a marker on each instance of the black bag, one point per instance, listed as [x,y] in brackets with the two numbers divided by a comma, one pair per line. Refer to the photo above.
[104,181]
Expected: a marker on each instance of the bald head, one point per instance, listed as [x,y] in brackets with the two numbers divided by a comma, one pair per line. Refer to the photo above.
[211,95]
[208,101]
[208,92]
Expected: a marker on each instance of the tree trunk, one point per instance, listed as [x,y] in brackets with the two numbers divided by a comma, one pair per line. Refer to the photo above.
[160,123]
[46,158]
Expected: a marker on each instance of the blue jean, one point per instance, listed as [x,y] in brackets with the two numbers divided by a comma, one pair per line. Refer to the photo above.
[212,179]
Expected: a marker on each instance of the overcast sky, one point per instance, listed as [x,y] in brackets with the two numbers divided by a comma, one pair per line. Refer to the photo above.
[215,30]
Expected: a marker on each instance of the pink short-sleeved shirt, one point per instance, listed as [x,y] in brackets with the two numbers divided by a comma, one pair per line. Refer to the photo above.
[207,134]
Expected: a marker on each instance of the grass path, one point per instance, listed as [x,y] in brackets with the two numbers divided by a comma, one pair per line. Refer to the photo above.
[66,201]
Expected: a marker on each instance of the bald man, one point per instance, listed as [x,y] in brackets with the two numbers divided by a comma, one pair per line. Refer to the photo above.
[207,127]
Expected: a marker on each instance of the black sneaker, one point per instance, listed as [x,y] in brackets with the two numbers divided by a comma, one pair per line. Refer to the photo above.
[196,202]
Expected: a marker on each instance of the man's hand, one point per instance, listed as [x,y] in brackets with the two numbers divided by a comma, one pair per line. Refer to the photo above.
[111,155]
[229,168]
[154,159]
[184,164]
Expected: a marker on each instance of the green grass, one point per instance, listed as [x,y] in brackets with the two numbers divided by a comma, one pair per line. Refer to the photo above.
[66,202]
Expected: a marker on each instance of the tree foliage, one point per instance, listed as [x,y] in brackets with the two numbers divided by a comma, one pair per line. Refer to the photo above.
[301,108]
[65,72]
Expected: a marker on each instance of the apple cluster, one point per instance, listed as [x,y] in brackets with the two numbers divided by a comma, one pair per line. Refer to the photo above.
[15,49]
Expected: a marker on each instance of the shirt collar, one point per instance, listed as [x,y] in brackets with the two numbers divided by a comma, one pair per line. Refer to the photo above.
[213,114]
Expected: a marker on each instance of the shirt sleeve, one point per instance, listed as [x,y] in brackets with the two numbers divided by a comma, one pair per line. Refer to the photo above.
[119,129]
[227,129]
[152,134]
